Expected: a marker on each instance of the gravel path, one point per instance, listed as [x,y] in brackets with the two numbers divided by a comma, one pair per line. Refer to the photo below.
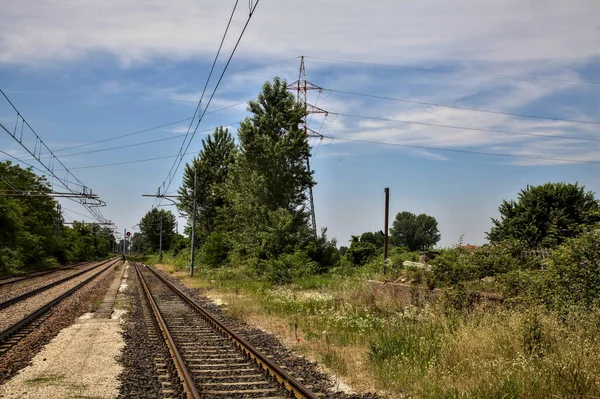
[81,362]
[63,315]
[15,312]
[21,287]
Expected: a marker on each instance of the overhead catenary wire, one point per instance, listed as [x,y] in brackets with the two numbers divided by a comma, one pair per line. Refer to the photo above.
[69,181]
[462,108]
[212,68]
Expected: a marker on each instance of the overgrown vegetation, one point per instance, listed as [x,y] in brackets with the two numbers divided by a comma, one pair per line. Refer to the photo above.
[28,235]
[514,318]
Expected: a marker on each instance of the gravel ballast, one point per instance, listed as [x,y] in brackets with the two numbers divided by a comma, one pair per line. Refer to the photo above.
[144,351]
[81,361]
[62,315]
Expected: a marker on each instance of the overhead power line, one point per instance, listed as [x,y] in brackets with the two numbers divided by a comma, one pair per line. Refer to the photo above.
[467,128]
[171,175]
[497,76]
[421,147]
[24,134]
[149,129]
[134,161]
[462,108]
[212,68]
[140,143]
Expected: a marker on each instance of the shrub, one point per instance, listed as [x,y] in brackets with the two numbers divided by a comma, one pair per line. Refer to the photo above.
[360,253]
[574,271]
[286,267]
[215,249]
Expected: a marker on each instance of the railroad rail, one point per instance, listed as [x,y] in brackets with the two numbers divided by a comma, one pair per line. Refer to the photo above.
[7,280]
[43,288]
[212,360]
[11,335]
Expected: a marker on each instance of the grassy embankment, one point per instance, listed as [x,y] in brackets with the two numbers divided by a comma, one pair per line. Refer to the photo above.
[437,351]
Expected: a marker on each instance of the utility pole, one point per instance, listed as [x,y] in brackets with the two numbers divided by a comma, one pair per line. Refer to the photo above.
[124,239]
[160,243]
[386,228]
[301,86]
[193,224]
[58,217]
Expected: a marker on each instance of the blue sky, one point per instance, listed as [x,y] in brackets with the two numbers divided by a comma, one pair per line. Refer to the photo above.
[83,73]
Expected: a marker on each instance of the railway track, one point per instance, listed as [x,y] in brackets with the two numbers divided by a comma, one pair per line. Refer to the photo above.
[13,333]
[212,360]
[8,280]
[35,291]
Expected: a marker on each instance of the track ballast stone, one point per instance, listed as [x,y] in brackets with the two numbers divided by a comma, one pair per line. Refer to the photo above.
[144,350]
[62,315]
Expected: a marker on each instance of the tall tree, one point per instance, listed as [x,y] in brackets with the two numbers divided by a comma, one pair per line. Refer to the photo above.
[417,233]
[211,166]
[546,215]
[268,183]
[150,228]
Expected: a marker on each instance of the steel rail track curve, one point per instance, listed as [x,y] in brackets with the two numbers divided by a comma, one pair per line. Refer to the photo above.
[36,291]
[12,334]
[269,370]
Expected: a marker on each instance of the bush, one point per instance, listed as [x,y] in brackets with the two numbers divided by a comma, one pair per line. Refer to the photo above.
[360,253]
[324,252]
[215,249]
[462,264]
[453,266]
[285,268]
[574,271]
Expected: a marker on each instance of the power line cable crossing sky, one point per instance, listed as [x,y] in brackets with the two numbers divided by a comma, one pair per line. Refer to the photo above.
[454,106]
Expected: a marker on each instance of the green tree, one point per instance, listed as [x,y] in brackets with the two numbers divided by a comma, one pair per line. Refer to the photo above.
[267,185]
[546,215]
[375,238]
[150,229]
[27,223]
[212,167]
[417,233]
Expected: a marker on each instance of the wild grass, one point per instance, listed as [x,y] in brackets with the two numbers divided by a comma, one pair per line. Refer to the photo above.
[432,352]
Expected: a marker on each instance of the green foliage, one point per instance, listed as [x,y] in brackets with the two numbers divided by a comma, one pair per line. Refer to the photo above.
[546,215]
[211,167]
[28,237]
[360,252]
[267,184]
[374,238]
[417,233]
[574,271]
[285,268]
[215,249]
[465,264]
[150,226]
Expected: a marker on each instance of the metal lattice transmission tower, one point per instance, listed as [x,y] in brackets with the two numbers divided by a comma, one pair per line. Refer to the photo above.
[301,87]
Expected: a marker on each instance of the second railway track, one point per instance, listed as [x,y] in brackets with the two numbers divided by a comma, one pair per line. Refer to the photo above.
[212,360]
[11,333]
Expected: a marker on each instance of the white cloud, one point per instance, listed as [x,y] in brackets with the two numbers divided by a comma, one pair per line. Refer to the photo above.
[429,30]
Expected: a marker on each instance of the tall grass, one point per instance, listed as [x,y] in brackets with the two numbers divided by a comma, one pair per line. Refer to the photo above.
[433,352]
